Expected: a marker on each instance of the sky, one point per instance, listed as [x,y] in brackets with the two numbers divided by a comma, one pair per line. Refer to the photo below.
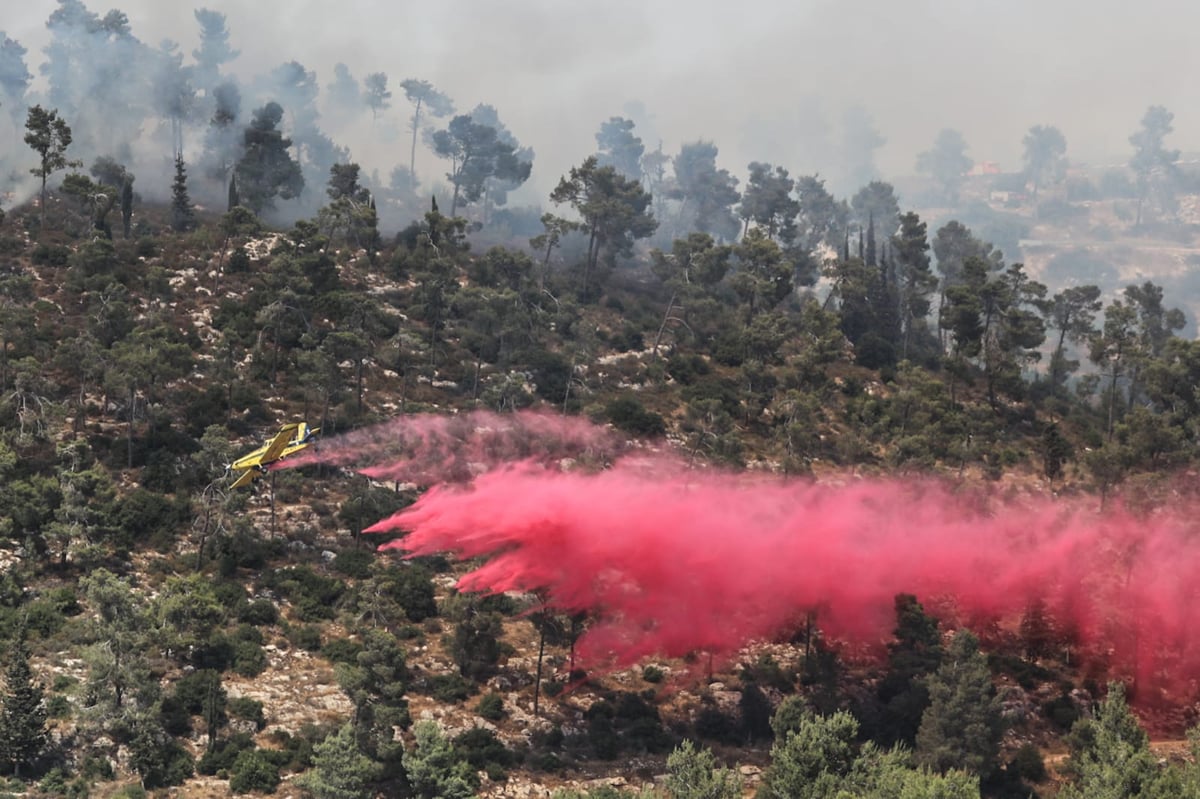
[767,80]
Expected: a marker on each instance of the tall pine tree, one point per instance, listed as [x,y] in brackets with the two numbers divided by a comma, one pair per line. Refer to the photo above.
[23,715]
[962,726]
[182,216]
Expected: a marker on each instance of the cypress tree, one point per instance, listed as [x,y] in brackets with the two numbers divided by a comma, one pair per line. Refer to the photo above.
[182,216]
[23,715]
[234,200]
[870,256]
[127,205]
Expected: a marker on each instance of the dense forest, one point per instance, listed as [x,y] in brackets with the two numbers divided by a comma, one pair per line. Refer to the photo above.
[163,634]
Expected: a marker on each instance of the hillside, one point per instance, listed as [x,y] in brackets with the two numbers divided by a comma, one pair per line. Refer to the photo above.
[199,641]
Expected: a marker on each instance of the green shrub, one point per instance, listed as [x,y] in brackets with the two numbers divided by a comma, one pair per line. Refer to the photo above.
[685,369]
[628,414]
[341,650]
[295,751]
[412,587]
[485,752]
[305,636]
[63,682]
[314,596]
[491,707]
[1062,711]
[248,709]
[193,690]
[652,674]
[50,255]
[175,716]
[1028,764]
[253,771]
[231,594]
[249,658]
[260,613]
[354,563]
[148,516]
[547,762]
[449,688]
[43,618]
[58,707]
[161,765]
[221,757]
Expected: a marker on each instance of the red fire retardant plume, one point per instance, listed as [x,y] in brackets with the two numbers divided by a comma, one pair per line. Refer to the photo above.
[669,561]
[427,449]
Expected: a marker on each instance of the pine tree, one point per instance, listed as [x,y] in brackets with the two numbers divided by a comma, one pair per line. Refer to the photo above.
[49,136]
[694,774]
[182,216]
[962,726]
[1111,756]
[340,769]
[916,653]
[23,715]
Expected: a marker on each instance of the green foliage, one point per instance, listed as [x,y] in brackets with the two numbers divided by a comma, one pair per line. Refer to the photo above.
[912,657]
[249,657]
[49,135]
[475,644]
[625,722]
[962,726]
[627,413]
[23,732]
[313,595]
[481,748]
[305,636]
[450,688]
[1110,754]
[159,759]
[354,563]
[376,680]
[1028,764]
[253,771]
[340,769]
[693,774]
[50,255]
[817,758]
[491,707]
[615,210]
[1062,711]
[266,169]
[435,769]
[411,586]
[183,216]
[341,650]
[221,755]
[259,612]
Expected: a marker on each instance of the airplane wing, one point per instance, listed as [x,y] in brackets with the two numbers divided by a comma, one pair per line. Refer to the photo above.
[268,452]
[246,478]
[278,444]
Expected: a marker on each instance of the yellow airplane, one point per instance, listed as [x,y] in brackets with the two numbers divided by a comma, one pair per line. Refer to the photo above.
[290,439]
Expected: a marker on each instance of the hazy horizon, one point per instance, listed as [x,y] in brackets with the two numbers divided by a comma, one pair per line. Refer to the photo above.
[771,82]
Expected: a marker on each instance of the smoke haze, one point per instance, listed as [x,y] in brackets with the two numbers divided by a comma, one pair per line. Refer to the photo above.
[771,81]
